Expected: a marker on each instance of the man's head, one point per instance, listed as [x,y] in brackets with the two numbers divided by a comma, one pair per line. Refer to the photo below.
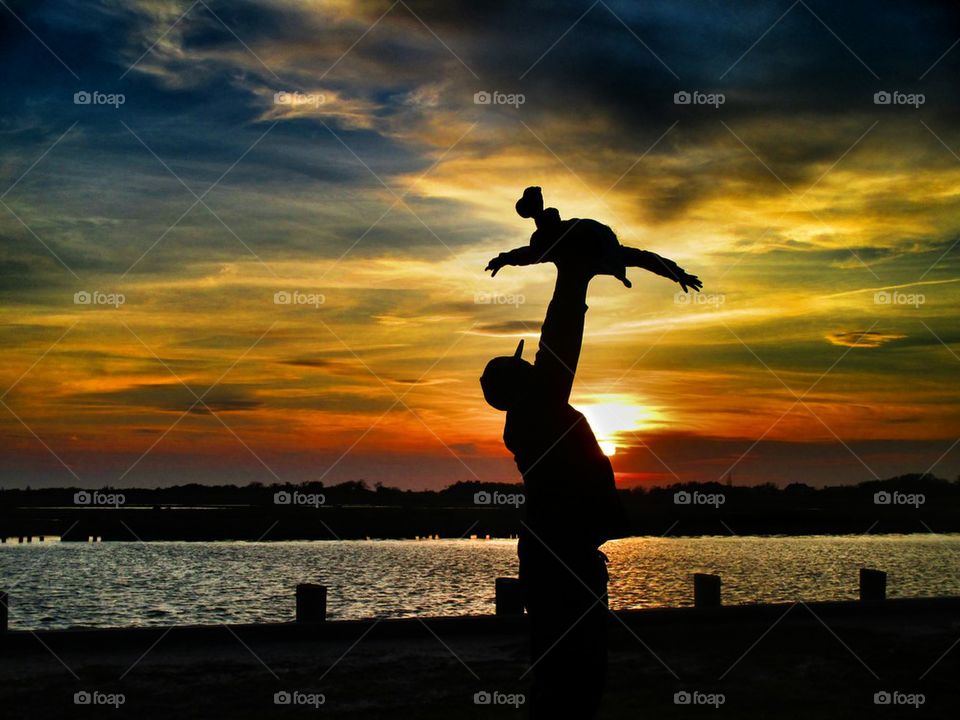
[506,379]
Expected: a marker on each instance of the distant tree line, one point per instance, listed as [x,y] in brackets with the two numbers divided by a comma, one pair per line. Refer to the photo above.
[917,503]
[461,494]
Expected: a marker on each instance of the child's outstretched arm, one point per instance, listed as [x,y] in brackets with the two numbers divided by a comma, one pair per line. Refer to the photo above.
[664,267]
[518,256]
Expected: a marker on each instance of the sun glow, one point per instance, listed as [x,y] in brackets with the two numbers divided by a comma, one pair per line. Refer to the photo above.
[608,447]
[611,416]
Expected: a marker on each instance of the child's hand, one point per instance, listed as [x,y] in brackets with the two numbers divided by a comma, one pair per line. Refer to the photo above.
[685,279]
[496,263]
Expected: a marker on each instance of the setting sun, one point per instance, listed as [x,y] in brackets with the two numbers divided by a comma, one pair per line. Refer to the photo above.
[610,416]
[608,447]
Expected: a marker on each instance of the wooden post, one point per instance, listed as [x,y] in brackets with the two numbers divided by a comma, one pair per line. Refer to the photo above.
[4,612]
[509,596]
[873,585]
[311,603]
[706,590]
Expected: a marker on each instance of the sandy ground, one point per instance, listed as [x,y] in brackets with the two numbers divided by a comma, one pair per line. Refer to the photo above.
[802,666]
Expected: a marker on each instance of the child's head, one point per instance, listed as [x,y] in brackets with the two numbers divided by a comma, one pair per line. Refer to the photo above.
[531,204]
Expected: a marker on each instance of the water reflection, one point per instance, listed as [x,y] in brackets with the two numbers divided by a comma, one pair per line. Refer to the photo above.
[28,539]
[130,583]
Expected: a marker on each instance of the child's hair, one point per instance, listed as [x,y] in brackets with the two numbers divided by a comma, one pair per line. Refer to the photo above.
[531,204]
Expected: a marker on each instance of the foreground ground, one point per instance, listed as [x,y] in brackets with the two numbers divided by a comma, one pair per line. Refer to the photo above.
[822,660]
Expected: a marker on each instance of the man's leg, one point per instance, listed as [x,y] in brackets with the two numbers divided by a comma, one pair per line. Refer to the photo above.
[591,636]
[566,602]
[539,592]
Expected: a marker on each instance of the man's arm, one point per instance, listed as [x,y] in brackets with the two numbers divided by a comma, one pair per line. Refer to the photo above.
[562,334]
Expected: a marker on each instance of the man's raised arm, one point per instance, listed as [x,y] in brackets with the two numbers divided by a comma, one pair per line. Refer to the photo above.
[562,334]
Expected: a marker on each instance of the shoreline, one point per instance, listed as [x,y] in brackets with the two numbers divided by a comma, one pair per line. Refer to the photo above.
[791,661]
[717,529]
[471,624]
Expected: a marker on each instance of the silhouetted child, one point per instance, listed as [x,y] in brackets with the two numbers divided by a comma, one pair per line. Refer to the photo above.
[583,242]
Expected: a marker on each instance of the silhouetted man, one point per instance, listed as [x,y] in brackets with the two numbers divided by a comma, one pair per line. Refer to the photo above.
[571,505]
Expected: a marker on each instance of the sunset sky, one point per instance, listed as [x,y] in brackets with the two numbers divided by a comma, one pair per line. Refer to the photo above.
[825,347]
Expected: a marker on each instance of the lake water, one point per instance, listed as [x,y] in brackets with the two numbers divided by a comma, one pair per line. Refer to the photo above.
[57,585]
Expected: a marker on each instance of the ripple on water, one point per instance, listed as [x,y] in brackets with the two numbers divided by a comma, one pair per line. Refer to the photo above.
[109,584]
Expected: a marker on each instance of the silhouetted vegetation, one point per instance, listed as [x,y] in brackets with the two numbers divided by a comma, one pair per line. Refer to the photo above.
[917,503]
